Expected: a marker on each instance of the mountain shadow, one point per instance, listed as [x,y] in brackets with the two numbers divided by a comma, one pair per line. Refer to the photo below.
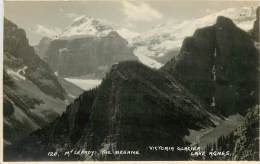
[219,64]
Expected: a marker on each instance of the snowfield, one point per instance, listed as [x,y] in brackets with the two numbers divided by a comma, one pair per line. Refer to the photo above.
[143,56]
[169,36]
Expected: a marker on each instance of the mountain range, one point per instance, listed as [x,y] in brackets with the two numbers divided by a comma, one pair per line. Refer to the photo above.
[154,47]
[214,76]
[206,93]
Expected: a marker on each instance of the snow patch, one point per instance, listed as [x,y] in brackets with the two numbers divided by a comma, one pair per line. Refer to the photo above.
[72,96]
[127,34]
[17,75]
[56,73]
[142,54]
[62,50]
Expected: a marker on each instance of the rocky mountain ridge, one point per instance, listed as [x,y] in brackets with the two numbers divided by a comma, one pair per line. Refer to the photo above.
[32,94]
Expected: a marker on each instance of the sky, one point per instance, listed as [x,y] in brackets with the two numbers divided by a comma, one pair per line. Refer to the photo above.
[46,18]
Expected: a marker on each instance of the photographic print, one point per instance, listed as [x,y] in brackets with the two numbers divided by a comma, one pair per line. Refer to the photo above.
[127,80]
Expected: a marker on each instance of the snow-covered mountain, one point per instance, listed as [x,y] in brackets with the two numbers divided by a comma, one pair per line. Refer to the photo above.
[85,26]
[169,36]
[156,46]
[89,26]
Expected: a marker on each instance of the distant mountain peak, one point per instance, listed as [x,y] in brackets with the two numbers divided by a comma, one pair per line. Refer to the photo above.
[89,26]
[85,25]
[167,37]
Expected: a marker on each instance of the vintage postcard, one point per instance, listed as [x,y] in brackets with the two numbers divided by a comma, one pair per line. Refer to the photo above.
[125,80]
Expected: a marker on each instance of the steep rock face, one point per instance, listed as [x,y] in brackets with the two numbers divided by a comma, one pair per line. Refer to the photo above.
[32,95]
[219,64]
[42,47]
[18,53]
[256,28]
[134,107]
[88,55]
[255,32]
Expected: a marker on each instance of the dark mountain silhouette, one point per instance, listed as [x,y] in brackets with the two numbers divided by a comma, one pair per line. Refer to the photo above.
[219,64]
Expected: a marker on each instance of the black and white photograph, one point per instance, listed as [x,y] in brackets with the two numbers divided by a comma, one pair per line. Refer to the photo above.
[125,80]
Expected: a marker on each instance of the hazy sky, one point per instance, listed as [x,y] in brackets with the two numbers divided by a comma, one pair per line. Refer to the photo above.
[45,18]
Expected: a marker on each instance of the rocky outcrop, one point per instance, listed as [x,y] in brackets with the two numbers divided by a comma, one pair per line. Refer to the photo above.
[88,55]
[219,64]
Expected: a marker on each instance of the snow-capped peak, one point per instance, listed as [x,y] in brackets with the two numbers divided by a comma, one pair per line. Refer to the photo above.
[168,36]
[88,26]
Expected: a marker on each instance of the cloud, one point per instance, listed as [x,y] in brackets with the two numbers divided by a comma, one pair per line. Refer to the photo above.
[140,12]
[45,31]
[69,15]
